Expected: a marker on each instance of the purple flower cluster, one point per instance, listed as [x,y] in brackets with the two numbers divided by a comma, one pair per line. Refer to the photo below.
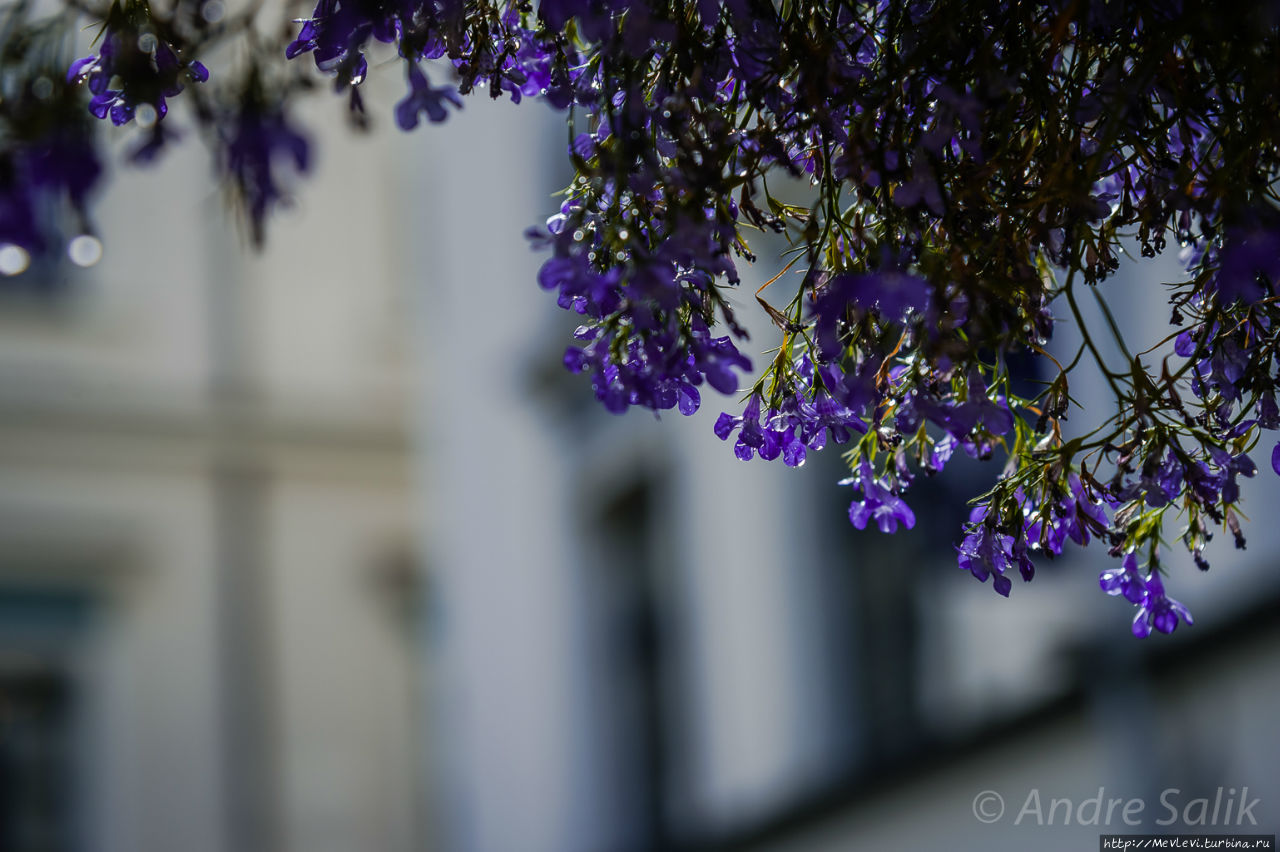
[988,552]
[50,163]
[1075,516]
[803,419]
[257,138]
[146,69]
[505,53]
[877,501]
[659,370]
[40,176]
[962,201]
[423,97]
[1146,591]
[995,542]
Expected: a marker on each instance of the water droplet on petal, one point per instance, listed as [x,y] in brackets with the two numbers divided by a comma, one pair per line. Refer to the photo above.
[14,259]
[578,235]
[147,42]
[145,116]
[85,250]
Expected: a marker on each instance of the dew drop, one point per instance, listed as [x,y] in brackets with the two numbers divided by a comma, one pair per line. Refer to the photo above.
[620,255]
[212,11]
[85,250]
[14,259]
[147,43]
[624,234]
[578,235]
[145,116]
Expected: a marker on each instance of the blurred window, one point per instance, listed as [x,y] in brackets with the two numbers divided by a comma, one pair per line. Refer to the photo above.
[39,706]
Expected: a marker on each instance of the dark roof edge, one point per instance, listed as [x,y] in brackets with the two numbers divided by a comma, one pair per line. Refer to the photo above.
[1163,658]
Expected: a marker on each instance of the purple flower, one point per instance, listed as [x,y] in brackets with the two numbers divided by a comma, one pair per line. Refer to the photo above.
[17,214]
[337,31]
[1155,608]
[147,69]
[986,551]
[921,189]
[1250,267]
[751,437]
[1229,467]
[941,452]
[1127,580]
[826,415]
[1158,610]
[1161,481]
[256,141]
[1073,517]
[878,502]
[423,97]
[48,163]
[891,291]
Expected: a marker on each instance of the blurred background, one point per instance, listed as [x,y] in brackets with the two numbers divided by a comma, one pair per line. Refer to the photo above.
[321,549]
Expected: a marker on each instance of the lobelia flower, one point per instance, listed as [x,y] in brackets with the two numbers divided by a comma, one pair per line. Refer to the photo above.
[1230,466]
[825,415]
[337,31]
[891,291]
[423,97]
[1250,269]
[750,437]
[17,210]
[1155,608]
[1161,481]
[49,160]
[258,138]
[1158,610]
[147,68]
[878,502]
[1072,517]
[986,553]
[1126,580]
[930,254]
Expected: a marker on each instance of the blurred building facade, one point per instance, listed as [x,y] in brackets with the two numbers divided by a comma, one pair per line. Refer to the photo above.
[208,620]
[321,550]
